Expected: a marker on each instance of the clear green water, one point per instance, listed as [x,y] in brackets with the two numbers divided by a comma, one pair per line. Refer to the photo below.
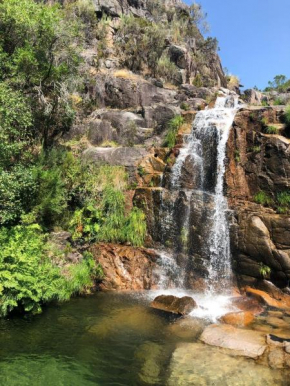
[112,339]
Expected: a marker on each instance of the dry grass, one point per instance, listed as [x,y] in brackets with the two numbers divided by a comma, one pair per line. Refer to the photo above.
[125,74]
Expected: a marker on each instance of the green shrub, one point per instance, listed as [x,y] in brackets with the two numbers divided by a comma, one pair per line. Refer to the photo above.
[18,189]
[173,127]
[198,81]
[256,149]
[265,271]
[283,199]
[265,103]
[262,198]
[278,102]
[185,106]
[28,278]
[237,156]
[167,69]
[108,221]
[264,121]
[272,130]
[147,46]
[287,116]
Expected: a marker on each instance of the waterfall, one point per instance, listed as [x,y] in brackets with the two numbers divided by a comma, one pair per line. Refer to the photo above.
[205,152]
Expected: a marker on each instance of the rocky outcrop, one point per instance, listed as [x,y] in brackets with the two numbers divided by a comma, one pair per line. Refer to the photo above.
[124,267]
[174,305]
[259,162]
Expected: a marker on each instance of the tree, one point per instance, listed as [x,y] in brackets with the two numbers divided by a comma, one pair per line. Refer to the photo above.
[39,55]
[280,84]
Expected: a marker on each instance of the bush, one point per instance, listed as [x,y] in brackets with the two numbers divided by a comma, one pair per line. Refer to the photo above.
[279,102]
[146,47]
[18,189]
[167,69]
[185,106]
[262,198]
[107,220]
[39,55]
[173,127]
[28,279]
[272,130]
[287,117]
[283,199]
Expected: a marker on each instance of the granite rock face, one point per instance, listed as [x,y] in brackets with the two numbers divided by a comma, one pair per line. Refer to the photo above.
[124,267]
[259,163]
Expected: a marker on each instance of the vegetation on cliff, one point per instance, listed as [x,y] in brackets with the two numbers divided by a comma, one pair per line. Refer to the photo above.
[44,186]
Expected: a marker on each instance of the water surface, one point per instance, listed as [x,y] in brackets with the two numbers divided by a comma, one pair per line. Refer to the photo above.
[115,339]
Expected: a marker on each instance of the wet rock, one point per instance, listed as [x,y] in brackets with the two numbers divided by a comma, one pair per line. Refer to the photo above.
[173,304]
[266,299]
[238,319]
[124,267]
[246,304]
[246,343]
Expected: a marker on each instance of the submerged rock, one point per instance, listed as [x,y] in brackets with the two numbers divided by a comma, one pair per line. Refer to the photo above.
[174,305]
[246,343]
[195,364]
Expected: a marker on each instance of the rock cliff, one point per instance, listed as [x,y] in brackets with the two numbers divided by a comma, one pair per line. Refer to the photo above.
[130,104]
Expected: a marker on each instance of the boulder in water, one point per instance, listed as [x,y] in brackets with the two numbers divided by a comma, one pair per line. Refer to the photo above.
[174,305]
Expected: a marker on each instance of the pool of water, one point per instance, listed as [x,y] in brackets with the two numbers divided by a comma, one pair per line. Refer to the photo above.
[116,339]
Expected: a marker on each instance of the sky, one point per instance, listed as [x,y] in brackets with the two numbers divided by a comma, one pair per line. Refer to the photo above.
[253,35]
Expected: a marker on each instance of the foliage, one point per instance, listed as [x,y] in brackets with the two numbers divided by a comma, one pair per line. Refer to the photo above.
[237,156]
[233,81]
[278,102]
[198,81]
[28,278]
[265,271]
[256,149]
[167,69]
[287,116]
[139,42]
[280,83]
[173,127]
[283,199]
[265,103]
[262,198]
[17,189]
[15,125]
[39,55]
[272,130]
[185,106]
[108,221]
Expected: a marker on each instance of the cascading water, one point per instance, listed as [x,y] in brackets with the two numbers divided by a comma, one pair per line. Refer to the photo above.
[205,150]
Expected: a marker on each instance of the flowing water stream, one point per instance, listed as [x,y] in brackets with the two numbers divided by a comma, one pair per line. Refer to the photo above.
[205,152]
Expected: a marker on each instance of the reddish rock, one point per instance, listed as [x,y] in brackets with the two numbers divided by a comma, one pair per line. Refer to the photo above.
[173,304]
[124,267]
[267,300]
[247,304]
[238,319]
